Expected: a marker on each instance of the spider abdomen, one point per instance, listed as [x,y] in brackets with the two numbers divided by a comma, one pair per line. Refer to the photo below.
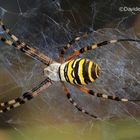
[79,71]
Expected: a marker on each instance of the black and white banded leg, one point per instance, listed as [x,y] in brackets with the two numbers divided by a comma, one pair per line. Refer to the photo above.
[100,95]
[23,47]
[6,106]
[98,45]
[70,44]
[76,105]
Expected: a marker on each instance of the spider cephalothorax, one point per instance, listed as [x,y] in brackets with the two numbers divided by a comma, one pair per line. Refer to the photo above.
[76,71]
[52,71]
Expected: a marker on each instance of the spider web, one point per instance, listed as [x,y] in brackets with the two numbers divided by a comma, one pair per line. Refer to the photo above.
[49,24]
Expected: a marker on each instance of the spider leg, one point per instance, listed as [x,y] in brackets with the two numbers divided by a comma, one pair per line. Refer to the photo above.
[72,101]
[94,46]
[70,44]
[23,47]
[6,106]
[100,95]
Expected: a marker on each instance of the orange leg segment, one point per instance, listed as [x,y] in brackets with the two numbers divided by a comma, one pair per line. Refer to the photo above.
[100,95]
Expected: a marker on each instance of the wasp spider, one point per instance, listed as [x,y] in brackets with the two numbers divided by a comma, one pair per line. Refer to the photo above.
[76,71]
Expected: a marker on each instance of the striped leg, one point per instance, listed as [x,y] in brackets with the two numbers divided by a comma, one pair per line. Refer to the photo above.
[72,101]
[23,47]
[6,106]
[100,95]
[94,46]
[69,45]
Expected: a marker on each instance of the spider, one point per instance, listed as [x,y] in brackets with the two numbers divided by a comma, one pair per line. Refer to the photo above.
[76,71]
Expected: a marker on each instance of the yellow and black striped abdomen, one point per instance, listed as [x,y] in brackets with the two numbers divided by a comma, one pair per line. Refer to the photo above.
[79,71]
